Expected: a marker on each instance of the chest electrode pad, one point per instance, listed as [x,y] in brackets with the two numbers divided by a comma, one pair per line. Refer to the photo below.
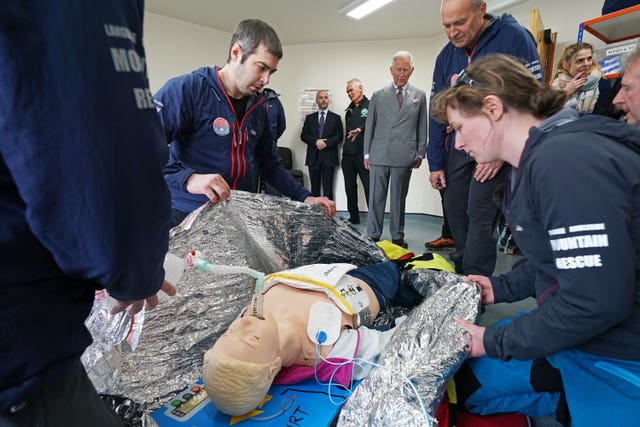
[325,320]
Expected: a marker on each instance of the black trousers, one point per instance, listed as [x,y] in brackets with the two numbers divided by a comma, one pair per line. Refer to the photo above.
[321,175]
[70,401]
[471,210]
[352,168]
[446,230]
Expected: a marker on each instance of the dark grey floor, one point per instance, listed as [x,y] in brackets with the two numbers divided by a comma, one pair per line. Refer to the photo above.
[420,228]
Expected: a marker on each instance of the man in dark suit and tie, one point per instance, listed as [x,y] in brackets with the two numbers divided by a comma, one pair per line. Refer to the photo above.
[395,142]
[322,132]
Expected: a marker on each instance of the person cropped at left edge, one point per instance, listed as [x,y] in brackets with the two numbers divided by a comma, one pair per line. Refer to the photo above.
[67,231]
[215,122]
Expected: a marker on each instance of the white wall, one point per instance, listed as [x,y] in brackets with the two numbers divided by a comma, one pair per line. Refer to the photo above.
[330,65]
[175,47]
[562,17]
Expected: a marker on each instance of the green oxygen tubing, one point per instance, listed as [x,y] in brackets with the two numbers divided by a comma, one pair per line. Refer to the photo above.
[194,259]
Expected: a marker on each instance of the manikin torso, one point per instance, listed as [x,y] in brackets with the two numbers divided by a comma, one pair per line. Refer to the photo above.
[291,308]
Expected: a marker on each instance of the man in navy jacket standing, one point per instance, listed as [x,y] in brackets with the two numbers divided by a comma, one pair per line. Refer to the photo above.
[278,124]
[469,186]
[83,204]
[353,149]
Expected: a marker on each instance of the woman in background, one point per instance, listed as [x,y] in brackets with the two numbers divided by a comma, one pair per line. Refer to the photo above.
[580,76]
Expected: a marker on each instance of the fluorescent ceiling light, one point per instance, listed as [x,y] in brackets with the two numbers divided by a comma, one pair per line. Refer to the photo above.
[360,8]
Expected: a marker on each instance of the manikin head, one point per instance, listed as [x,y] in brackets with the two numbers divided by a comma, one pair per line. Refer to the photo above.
[241,365]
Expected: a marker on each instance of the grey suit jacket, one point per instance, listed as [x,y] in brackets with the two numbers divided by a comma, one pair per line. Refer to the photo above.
[396,136]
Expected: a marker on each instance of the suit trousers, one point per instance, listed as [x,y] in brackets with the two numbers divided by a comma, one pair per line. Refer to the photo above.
[383,177]
[446,230]
[471,210]
[69,401]
[320,173]
[352,168]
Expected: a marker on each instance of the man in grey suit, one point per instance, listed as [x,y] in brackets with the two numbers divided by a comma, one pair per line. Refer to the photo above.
[395,141]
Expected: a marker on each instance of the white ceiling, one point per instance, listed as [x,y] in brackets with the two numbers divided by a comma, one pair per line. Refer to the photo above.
[315,21]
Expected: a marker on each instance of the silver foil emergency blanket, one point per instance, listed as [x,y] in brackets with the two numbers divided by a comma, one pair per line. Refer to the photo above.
[426,349]
[271,234]
[262,232]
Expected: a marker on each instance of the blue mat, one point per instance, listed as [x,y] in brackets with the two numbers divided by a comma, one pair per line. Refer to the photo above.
[304,404]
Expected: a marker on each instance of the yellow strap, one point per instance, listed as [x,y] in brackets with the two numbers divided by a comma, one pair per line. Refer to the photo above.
[391,250]
[437,263]
[306,279]
[451,392]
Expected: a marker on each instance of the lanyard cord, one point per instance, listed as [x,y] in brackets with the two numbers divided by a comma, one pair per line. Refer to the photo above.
[473,52]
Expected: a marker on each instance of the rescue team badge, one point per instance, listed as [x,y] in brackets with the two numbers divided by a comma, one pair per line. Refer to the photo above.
[221,127]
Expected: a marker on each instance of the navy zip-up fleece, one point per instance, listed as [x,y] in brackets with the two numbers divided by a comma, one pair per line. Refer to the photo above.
[83,204]
[573,206]
[503,35]
[205,137]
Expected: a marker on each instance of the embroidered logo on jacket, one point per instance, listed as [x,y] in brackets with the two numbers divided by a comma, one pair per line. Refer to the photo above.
[221,126]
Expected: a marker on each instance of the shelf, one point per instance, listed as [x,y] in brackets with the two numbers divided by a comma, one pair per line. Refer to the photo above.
[614,27]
